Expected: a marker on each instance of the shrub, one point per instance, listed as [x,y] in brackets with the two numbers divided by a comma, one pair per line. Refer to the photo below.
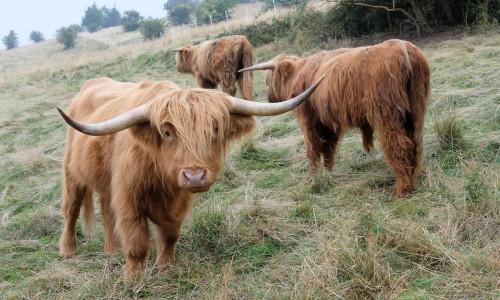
[11,40]
[76,28]
[66,36]
[131,20]
[36,36]
[346,19]
[263,33]
[152,28]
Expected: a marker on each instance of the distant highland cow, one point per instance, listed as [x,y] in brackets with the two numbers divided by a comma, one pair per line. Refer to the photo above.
[218,61]
[384,87]
[150,146]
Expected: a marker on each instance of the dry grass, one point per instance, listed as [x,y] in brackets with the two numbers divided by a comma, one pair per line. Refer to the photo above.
[267,229]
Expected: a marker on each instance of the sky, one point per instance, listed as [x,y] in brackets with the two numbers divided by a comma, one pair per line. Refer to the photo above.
[46,16]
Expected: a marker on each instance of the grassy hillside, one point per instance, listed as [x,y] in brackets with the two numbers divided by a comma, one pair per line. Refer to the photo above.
[267,229]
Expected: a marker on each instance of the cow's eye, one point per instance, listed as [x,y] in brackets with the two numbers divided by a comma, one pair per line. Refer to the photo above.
[167,133]
[216,130]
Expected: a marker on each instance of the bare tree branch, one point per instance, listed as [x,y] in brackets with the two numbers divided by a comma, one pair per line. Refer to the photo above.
[393,9]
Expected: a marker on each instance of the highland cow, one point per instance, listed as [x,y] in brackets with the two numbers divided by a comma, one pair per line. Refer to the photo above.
[218,61]
[148,148]
[384,87]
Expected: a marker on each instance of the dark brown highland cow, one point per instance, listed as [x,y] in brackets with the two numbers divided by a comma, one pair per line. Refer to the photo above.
[384,87]
[218,61]
[150,147]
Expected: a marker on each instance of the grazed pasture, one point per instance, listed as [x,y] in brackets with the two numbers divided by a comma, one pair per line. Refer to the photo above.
[268,229]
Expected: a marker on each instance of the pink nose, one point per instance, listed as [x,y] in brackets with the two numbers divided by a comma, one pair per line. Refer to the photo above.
[194,178]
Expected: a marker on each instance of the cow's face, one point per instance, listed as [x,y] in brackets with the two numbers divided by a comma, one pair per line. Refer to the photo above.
[279,77]
[184,59]
[188,137]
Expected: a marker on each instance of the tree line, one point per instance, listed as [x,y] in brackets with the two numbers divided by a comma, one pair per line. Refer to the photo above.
[348,18]
[96,18]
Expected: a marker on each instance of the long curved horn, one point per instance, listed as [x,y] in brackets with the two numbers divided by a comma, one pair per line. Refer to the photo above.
[262,66]
[245,107]
[174,50]
[132,117]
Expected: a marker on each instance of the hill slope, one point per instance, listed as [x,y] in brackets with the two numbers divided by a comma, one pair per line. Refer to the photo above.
[268,229]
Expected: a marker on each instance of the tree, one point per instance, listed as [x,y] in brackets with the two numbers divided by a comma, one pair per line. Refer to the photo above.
[111,17]
[180,14]
[286,3]
[36,36]
[152,28]
[130,20]
[66,36]
[93,19]
[170,4]
[214,8]
[418,20]
[11,40]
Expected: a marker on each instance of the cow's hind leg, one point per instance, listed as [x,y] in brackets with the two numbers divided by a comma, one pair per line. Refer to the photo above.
[228,82]
[165,243]
[112,242]
[399,151]
[205,83]
[367,133]
[74,196]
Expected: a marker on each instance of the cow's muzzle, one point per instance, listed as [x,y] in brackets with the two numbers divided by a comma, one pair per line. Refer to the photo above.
[196,179]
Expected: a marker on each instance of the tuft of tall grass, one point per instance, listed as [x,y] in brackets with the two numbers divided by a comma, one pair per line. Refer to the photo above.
[449,132]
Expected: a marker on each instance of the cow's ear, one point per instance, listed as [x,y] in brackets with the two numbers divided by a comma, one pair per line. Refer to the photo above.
[146,133]
[240,125]
[285,68]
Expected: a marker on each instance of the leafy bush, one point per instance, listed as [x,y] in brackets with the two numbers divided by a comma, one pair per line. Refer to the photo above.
[347,19]
[36,36]
[152,28]
[10,41]
[66,36]
[131,20]
[75,27]
[263,33]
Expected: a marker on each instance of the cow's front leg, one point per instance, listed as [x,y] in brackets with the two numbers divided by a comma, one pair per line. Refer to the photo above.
[132,226]
[168,233]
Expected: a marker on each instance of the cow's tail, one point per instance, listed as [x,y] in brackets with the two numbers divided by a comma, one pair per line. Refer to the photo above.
[245,82]
[88,213]
[419,89]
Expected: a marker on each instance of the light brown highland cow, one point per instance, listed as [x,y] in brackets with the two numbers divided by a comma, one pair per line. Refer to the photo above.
[150,147]
[384,87]
[218,61]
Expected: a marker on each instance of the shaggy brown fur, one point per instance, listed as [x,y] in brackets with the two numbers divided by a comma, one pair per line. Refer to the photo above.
[139,172]
[218,61]
[384,87]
